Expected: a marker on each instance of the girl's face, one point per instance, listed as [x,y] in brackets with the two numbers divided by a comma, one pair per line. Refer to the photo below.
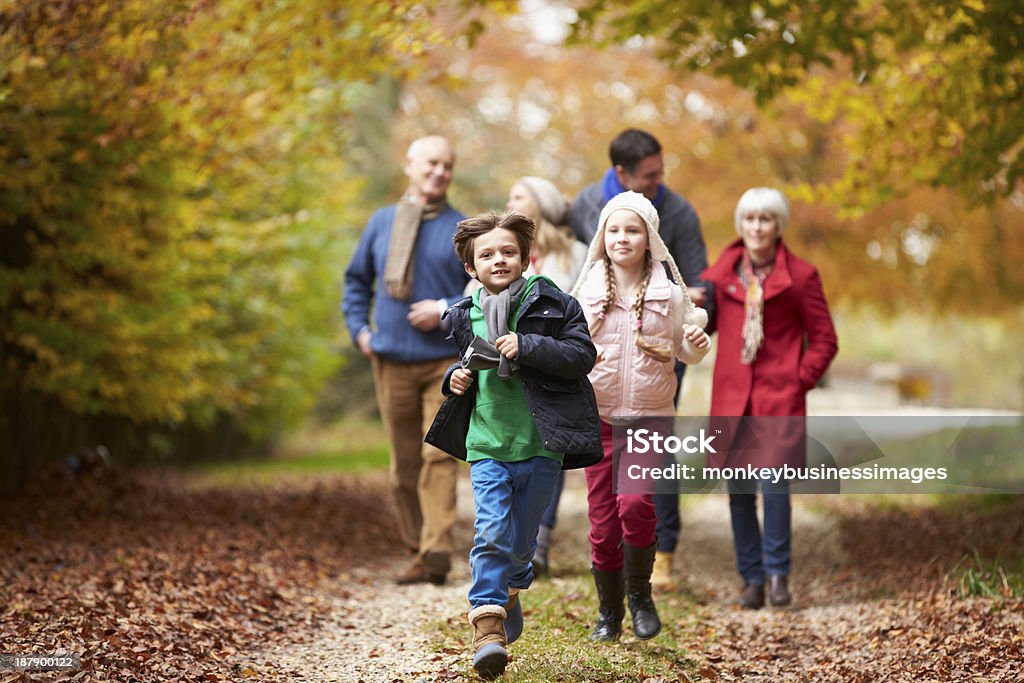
[760,231]
[522,202]
[625,239]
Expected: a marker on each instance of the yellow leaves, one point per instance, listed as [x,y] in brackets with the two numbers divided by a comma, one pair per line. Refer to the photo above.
[22,62]
[254,101]
[179,185]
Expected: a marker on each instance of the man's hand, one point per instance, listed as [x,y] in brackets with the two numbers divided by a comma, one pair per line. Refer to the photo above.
[424,316]
[698,295]
[460,381]
[600,353]
[508,345]
[363,342]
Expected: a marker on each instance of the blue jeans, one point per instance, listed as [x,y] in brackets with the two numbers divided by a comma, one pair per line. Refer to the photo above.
[757,555]
[509,499]
[666,505]
[550,517]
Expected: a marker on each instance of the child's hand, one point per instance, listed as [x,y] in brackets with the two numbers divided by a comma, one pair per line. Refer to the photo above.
[508,345]
[600,353]
[460,381]
[696,336]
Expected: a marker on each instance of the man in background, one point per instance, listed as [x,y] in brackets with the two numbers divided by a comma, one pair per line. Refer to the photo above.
[406,270]
[637,165]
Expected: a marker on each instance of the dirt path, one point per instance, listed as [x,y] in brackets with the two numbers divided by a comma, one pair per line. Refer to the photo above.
[847,622]
[381,632]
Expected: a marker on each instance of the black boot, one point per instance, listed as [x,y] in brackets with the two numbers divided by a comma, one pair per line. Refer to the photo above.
[639,563]
[610,591]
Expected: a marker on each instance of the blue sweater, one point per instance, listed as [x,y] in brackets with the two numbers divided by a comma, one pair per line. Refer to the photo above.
[437,274]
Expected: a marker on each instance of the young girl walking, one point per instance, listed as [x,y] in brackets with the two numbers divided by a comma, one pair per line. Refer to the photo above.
[640,322]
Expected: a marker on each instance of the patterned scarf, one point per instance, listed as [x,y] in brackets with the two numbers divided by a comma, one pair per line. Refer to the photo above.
[409,213]
[753,309]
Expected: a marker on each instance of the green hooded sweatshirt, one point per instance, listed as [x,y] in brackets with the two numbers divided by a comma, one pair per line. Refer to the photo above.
[501,426]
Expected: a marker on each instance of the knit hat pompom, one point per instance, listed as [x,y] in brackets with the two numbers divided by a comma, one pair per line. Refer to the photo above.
[554,207]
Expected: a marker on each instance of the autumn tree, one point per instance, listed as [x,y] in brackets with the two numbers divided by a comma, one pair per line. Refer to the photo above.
[173,196]
[522,101]
[929,91]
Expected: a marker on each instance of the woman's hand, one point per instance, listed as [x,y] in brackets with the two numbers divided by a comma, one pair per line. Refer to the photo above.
[460,381]
[600,353]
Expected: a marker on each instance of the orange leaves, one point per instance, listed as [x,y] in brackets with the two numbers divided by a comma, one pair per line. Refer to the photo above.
[113,569]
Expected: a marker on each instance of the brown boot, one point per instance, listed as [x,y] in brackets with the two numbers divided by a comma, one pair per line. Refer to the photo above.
[661,577]
[432,567]
[778,591]
[752,596]
[489,640]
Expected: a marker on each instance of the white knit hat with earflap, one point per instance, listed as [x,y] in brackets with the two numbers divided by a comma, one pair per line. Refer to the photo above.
[641,206]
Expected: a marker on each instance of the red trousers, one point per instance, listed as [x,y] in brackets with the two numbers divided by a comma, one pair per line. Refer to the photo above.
[615,518]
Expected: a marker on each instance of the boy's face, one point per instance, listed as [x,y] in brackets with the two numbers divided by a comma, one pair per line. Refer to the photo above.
[497,262]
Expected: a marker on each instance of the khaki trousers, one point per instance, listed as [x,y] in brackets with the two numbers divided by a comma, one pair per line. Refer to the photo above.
[422,477]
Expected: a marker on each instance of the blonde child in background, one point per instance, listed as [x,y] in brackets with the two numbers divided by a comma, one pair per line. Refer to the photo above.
[556,254]
[640,322]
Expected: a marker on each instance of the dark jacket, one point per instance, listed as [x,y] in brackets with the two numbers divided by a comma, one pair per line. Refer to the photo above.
[555,356]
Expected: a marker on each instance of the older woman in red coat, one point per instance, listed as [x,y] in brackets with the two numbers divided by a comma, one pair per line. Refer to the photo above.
[775,341]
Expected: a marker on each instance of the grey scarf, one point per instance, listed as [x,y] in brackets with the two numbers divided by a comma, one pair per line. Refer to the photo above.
[496,308]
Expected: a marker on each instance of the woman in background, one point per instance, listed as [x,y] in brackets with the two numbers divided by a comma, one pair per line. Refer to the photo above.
[775,341]
[558,255]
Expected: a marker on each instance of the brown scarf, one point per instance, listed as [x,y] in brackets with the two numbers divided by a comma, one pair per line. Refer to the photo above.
[753,309]
[409,213]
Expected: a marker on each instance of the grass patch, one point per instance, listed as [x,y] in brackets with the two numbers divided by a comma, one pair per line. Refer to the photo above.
[555,645]
[973,577]
[348,446]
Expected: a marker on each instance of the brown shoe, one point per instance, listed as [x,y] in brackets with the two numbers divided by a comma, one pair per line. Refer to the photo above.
[778,591]
[752,596]
[431,568]
[661,576]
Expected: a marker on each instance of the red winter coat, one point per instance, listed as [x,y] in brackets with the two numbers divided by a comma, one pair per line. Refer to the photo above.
[785,369]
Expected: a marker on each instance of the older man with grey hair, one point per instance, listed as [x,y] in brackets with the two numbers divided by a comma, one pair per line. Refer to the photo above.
[406,271]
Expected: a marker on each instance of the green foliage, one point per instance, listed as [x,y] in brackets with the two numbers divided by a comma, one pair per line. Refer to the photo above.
[929,91]
[351,445]
[973,577]
[173,196]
